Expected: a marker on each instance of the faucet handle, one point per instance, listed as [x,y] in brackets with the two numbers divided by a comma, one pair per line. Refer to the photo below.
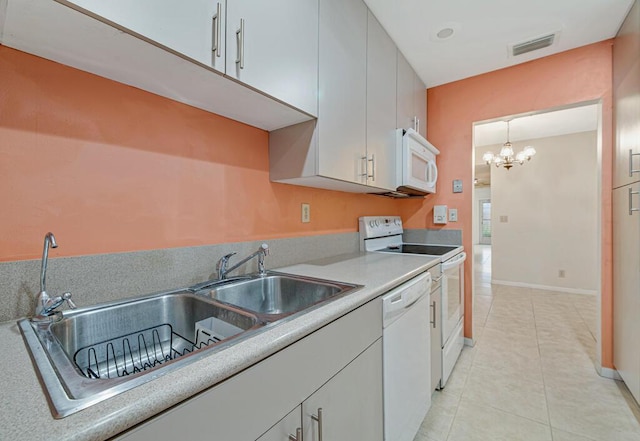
[265,249]
[221,267]
[225,259]
[66,297]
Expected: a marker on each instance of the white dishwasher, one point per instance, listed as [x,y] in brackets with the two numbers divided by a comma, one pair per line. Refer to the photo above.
[406,358]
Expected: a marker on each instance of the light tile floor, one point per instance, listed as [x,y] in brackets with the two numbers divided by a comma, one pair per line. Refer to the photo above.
[530,375]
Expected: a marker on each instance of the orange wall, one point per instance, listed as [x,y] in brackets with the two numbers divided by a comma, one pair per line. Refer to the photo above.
[574,76]
[111,168]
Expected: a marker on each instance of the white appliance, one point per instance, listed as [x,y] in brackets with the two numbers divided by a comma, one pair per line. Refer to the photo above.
[406,358]
[416,168]
[452,314]
[384,234]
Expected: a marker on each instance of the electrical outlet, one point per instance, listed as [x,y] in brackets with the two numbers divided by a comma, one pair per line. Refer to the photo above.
[561,273]
[453,214]
[306,213]
[457,186]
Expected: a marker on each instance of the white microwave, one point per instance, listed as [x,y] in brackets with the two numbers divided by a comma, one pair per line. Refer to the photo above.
[416,170]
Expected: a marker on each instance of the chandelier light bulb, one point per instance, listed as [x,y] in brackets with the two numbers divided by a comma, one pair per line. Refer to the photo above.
[506,150]
[529,151]
[488,157]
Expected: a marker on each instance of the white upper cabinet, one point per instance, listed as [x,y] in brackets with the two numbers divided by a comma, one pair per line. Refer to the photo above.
[412,98]
[626,100]
[420,102]
[273,47]
[381,107]
[173,49]
[342,116]
[195,28]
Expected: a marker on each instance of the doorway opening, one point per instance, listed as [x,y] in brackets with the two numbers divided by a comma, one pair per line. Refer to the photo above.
[536,226]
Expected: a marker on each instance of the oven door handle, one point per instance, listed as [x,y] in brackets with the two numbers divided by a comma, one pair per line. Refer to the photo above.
[458,260]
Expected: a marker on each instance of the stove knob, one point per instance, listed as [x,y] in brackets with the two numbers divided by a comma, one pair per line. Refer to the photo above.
[397,222]
[377,223]
[372,224]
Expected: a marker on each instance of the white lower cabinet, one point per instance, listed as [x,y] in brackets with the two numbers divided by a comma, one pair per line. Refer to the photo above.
[337,368]
[347,407]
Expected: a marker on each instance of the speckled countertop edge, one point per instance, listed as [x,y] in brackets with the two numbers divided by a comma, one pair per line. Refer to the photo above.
[26,414]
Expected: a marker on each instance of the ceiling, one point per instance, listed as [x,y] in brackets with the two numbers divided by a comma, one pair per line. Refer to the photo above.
[540,125]
[483,31]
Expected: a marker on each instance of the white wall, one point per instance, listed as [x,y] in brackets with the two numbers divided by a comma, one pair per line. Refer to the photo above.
[551,207]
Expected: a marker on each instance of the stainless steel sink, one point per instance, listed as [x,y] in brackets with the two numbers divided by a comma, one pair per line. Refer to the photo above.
[278,295]
[87,355]
[94,353]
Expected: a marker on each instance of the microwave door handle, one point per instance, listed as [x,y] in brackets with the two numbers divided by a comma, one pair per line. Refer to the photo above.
[432,170]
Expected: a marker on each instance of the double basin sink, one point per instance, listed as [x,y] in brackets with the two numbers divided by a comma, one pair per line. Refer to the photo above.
[87,355]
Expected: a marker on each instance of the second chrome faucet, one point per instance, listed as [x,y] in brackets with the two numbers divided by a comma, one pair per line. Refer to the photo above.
[224,262]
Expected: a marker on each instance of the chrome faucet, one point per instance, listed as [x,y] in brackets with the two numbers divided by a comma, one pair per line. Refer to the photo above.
[224,261]
[45,304]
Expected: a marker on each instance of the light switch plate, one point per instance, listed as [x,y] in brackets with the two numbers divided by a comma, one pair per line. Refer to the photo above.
[457,186]
[453,214]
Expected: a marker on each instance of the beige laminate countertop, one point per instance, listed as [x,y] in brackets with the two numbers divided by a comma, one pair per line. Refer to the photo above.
[25,412]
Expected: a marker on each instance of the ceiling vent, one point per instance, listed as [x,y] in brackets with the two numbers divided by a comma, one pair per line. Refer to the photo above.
[533,45]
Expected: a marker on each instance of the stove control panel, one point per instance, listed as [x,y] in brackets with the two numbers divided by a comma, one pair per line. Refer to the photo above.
[379,226]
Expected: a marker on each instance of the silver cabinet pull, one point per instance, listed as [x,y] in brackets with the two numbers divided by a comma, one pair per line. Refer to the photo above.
[215,23]
[433,307]
[417,125]
[318,418]
[631,169]
[364,167]
[298,436]
[631,209]
[240,43]
[373,167]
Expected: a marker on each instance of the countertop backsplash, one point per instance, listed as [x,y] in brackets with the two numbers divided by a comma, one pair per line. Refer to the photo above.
[107,277]
[102,278]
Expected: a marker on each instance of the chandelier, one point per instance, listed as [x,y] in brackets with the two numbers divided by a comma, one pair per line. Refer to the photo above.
[506,158]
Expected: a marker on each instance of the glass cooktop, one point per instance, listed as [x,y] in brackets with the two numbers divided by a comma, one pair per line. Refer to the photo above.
[431,250]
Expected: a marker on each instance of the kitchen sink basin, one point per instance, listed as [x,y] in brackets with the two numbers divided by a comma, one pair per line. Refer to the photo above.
[278,295]
[91,354]
[87,355]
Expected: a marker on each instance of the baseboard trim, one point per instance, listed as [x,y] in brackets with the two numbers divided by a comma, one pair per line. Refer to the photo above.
[608,373]
[469,342]
[590,292]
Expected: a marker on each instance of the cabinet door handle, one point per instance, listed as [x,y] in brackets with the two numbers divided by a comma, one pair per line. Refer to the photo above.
[433,307]
[298,435]
[631,209]
[631,169]
[417,125]
[364,167]
[318,418]
[215,23]
[373,167]
[240,43]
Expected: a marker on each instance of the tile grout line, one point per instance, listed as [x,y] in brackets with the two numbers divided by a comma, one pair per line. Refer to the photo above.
[544,384]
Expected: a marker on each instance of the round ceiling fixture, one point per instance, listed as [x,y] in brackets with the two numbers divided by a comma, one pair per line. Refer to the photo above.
[445,33]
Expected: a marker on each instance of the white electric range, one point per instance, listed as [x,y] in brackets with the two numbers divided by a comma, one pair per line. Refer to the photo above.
[383,234]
